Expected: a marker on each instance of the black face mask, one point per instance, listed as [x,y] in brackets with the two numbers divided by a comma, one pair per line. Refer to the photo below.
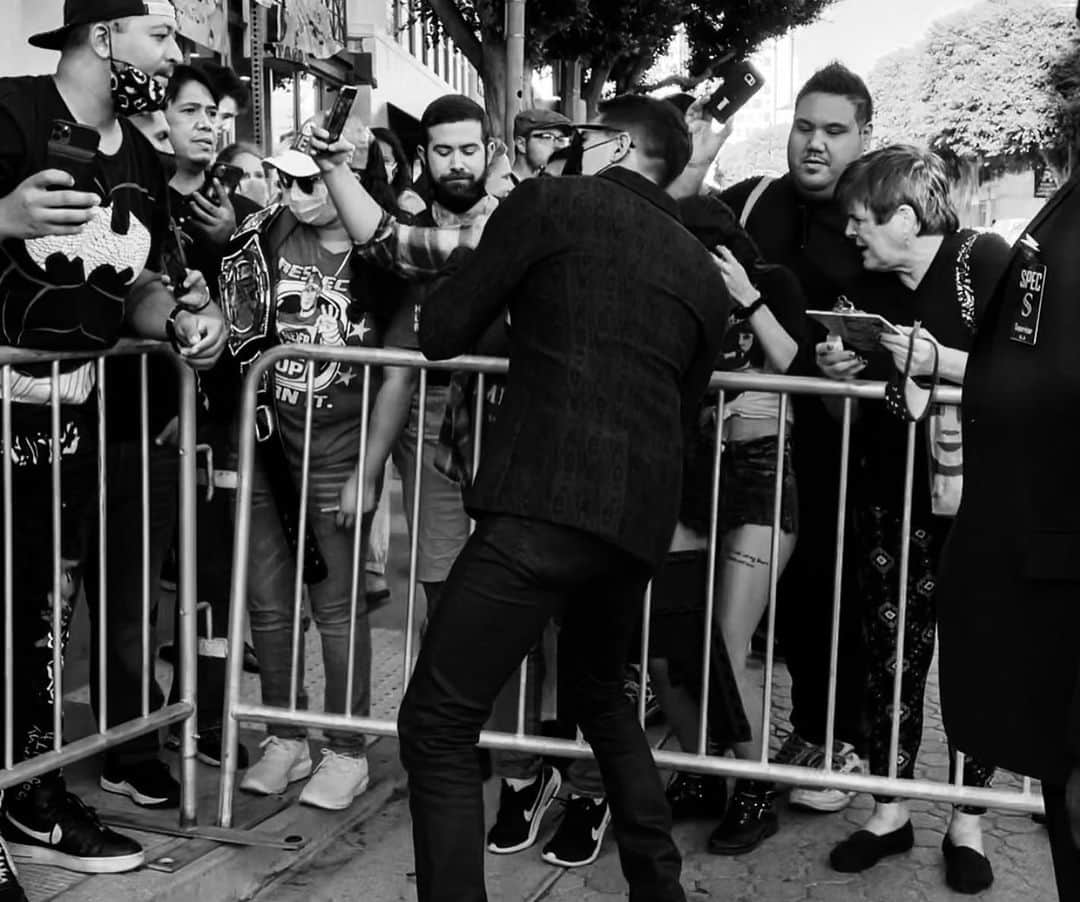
[572,154]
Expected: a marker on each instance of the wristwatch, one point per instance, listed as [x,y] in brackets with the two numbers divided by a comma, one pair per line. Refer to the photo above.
[744,313]
[170,326]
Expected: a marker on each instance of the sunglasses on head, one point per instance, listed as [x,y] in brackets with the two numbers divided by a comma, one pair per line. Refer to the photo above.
[305,183]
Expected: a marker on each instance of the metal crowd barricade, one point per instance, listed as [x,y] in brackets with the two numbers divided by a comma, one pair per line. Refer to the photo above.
[844,394]
[182,712]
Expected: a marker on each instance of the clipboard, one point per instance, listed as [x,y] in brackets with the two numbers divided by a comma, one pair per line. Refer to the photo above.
[858,330]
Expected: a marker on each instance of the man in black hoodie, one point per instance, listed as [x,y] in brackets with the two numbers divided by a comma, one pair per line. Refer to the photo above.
[796,223]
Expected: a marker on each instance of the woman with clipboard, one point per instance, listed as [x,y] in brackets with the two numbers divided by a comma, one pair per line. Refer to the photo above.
[902,218]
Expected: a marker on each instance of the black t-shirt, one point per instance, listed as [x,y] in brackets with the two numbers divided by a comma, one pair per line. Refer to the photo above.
[935,303]
[68,292]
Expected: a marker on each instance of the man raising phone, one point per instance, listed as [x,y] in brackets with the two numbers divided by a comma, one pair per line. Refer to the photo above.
[76,267]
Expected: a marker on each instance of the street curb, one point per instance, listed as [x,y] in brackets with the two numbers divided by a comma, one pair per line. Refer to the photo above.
[240,873]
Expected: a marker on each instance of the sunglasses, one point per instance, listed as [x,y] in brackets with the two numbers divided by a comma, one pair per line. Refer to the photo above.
[305,183]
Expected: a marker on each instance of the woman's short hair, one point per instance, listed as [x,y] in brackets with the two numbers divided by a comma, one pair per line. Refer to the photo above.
[885,180]
[230,153]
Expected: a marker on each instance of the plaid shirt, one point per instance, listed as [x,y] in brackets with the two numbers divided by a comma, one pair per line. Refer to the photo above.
[420,251]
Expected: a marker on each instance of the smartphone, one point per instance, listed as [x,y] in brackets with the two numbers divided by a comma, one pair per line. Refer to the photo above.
[337,117]
[175,260]
[741,82]
[227,174]
[72,148]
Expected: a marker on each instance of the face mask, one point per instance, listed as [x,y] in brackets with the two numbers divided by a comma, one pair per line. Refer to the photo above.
[311,209]
[133,91]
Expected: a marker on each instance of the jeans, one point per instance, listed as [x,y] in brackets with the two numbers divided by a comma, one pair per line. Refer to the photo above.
[271,581]
[512,577]
[124,586]
[1065,853]
[34,690]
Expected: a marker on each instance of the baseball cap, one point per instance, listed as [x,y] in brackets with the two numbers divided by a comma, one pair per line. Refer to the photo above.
[528,121]
[86,12]
[295,159]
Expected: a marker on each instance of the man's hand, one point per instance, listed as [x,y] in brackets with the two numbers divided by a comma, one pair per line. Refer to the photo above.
[329,156]
[42,205]
[194,294]
[201,336]
[216,220]
[707,135]
[346,515]
[836,363]
[923,357]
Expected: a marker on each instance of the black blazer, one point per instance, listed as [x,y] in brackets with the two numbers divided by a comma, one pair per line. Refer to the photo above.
[1009,588]
[616,316]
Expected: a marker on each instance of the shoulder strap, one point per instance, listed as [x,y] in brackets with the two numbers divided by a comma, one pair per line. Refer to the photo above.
[965,290]
[754,197]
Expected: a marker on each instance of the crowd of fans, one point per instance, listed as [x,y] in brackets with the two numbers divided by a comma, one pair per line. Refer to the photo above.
[341,247]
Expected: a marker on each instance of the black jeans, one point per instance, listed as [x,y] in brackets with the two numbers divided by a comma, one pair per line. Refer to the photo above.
[512,577]
[1064,851]
[804,613]
[123,575]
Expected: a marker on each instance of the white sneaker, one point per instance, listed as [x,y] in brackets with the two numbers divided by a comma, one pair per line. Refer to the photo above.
[845,761]
[282,762]
[337,781]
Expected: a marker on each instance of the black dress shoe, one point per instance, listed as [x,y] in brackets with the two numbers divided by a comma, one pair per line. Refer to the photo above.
[864,849]
[966,871]
[749,821]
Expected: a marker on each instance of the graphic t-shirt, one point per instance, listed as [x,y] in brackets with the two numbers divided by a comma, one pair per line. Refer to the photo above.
[67,292]
[312,297]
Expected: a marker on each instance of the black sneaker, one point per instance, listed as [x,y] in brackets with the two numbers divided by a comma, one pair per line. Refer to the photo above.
[10,891]
[147,783]
[695,796]
[749,821]
[580,835]
[521,811]
[64,832]
[208,748]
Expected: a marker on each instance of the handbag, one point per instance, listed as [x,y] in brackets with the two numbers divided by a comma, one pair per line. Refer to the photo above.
[944,437]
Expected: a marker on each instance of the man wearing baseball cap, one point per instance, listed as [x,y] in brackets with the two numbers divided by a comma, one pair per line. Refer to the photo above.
[538,134]
[83,217]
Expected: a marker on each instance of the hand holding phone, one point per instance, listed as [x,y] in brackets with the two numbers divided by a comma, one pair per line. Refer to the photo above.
[45,204]
[72,149]
[741,81]
[339,114]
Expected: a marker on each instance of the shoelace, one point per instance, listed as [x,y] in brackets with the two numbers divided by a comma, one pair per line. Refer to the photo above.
[73,808]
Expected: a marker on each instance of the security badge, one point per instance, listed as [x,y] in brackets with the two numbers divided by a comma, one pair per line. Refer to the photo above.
[1029,288]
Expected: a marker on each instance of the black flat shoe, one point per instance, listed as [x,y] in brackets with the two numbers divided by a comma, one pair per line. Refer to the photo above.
[864,849]
[966,871]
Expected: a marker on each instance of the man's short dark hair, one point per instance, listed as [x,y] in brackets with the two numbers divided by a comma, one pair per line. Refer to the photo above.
[658,129]
[226,83]
[183,74]
[454,108]
[836,78]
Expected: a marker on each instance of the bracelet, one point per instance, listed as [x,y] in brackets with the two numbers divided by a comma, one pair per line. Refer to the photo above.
[170,326]
[744,313]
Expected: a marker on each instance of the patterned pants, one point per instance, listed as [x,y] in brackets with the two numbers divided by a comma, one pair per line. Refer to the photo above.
[878,531]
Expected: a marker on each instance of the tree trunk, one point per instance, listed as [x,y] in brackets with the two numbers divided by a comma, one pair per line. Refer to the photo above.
[494,77]
[594,88]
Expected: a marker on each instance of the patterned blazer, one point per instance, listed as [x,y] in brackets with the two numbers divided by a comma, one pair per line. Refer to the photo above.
[616,317]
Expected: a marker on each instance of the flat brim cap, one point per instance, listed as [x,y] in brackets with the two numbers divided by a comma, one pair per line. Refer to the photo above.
[86,12]
[293,162]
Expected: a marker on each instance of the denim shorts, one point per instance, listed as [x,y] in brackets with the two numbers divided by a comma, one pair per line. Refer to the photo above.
[748,485]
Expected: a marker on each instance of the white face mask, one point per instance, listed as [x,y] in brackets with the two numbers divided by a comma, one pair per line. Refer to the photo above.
[311,209]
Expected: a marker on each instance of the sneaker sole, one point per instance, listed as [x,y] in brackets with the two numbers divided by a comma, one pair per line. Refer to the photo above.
[39,855]
[552,858]
[124,788]
[360,790]
[534,827]
[301,772]
[818,805]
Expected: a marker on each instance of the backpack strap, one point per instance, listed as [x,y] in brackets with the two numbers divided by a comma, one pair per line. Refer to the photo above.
[754,197]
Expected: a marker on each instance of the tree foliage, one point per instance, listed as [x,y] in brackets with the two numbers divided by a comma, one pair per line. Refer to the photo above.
[614,40]
[998,83]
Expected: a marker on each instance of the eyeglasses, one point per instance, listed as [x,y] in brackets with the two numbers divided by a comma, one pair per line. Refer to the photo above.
[589,129]
[559,138]
[305,183]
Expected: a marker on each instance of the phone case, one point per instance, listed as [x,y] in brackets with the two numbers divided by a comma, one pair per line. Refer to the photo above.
[335,122]
[741,82]
[72,148]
